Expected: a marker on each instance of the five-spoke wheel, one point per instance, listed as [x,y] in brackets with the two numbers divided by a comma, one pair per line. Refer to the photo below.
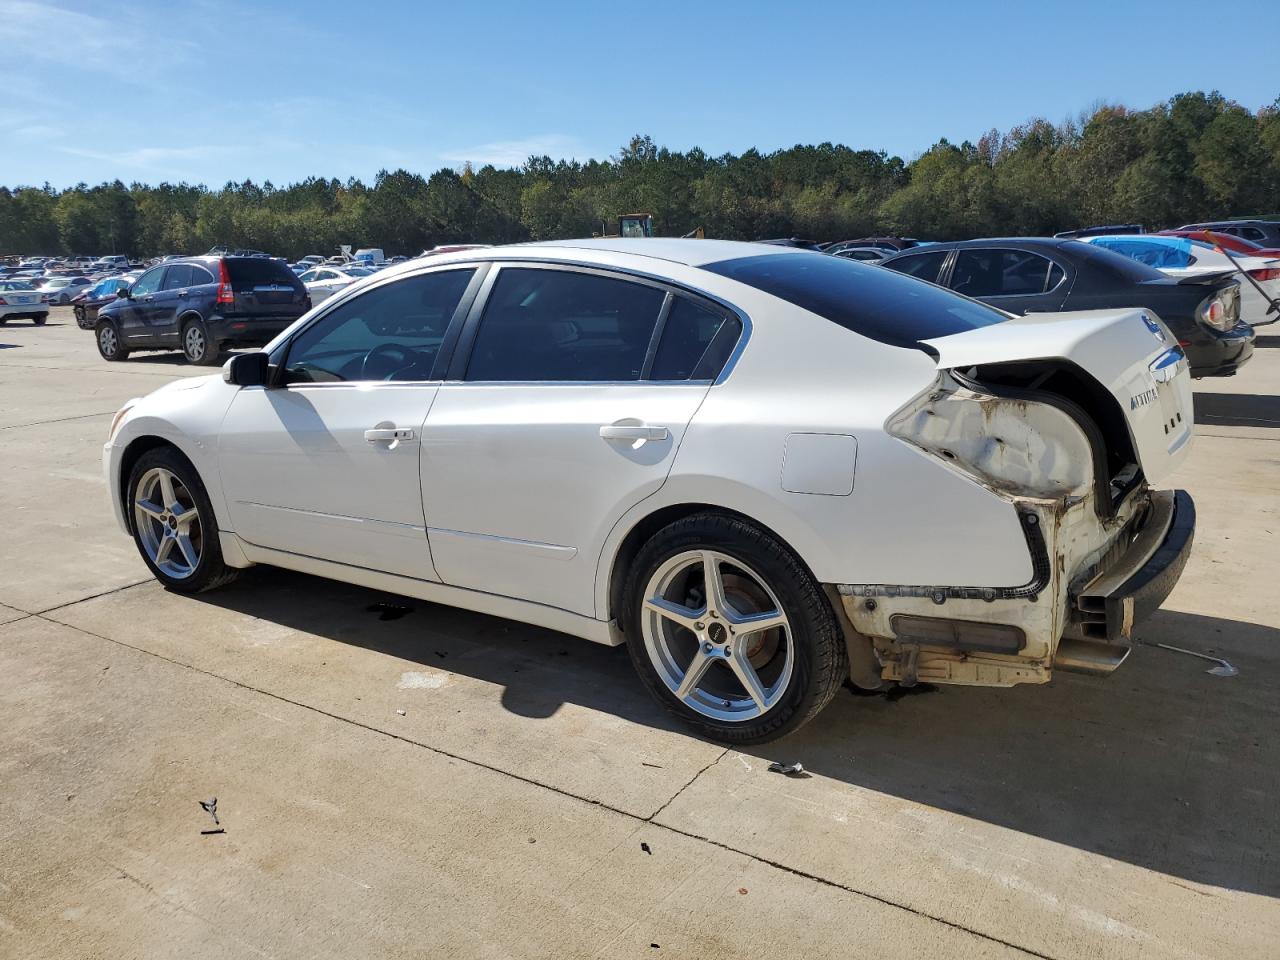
[730,631]
[173,523]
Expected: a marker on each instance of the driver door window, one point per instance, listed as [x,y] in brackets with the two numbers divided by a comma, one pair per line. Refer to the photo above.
[390,333]
[149,282]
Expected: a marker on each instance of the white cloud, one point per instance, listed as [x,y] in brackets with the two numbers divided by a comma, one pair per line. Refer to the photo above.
[513,153]
[153,158]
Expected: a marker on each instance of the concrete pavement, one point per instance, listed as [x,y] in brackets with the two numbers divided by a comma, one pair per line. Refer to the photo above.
[398,779]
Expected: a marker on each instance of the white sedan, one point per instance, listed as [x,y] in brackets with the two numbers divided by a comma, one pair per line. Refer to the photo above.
[323,282]
[1184,257]
[765,470]
[19,299]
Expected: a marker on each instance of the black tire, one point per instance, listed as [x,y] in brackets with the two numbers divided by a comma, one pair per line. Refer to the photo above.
[79,312]
[197,346]
[820,660]
[40,318]
[110,344]
[210,572]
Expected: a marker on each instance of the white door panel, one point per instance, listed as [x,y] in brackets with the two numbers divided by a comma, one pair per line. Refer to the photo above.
[520,487]
[301,475]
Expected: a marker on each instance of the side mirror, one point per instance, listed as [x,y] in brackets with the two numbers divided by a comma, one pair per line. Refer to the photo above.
[248,370]
[124,294]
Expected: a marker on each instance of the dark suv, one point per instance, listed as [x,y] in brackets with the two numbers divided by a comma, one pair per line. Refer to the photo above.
[200,305]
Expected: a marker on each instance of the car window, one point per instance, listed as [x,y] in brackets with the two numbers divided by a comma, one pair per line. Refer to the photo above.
[873,302]
[392,332]
[177,277]
[925,266]
[310,276]
[687,336]
[248,272]
[541,325]
[1252,233]
[999,273]
[149,282]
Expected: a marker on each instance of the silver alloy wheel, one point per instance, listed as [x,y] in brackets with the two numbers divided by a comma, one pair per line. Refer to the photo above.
[194,342]
[717,635]
[168,523]
[107,340]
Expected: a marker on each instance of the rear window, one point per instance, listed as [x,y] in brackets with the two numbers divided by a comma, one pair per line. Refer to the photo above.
[1112,264]
[250,272]
[877,303]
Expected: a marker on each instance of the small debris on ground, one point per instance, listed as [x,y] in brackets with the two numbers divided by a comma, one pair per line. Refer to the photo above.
[401,712]
[795,770]
[646,763]
[208,833]
[743,891]
[645,847]
[388,611]
[210,807]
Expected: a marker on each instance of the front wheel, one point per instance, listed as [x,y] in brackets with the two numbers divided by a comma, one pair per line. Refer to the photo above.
[730,632]
[40,318]
[110,344]
[197,346]
[79,312]
[173,523]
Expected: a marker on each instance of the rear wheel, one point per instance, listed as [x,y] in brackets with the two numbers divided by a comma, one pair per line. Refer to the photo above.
[173,523]
[197,346]
[110,345]
[730,632]
[40,318]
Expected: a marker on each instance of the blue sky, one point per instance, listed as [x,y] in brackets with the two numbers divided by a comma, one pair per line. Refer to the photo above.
[213,90]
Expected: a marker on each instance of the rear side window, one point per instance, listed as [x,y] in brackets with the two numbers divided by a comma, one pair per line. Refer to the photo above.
[177,276]
[924,266]
[685,351]
[999,273]
[541,325]
[249,272]
[1110,264]
[200,276]
[880,304]
[392,332]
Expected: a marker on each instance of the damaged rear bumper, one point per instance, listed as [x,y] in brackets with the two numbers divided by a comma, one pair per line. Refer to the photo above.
[1130,588]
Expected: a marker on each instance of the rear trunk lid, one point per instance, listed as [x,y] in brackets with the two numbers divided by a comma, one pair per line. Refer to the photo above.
[264,288]
[1129,352]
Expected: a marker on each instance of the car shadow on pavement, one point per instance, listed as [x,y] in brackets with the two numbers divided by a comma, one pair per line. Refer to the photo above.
[1160,765]
[1237,410]
[1267,340]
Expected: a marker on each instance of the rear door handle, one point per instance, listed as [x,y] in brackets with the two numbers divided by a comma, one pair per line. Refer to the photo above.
[642,431]
[381,435]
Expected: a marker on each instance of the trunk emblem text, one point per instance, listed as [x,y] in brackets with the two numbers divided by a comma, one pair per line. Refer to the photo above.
[1142,399]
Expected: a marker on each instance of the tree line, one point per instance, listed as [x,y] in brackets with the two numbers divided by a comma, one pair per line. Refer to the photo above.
[1198,156]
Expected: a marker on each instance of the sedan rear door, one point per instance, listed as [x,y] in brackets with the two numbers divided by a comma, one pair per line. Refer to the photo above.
[1017,281]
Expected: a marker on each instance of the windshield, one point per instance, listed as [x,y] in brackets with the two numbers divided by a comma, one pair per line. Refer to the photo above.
[881,304]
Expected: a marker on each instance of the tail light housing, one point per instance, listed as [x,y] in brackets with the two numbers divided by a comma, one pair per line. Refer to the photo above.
[3,302]
[225,294]
[1215,311]
[1266,273]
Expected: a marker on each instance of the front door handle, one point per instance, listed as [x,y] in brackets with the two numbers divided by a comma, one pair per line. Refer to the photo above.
[614,431]
[392,435]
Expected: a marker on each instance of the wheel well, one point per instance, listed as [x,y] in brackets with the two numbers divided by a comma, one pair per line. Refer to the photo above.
[638,535]
[190,314]
[132,453]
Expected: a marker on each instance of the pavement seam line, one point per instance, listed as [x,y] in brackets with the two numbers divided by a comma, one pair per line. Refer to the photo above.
[72,603]
[672,799]
[480,764]
[41,423]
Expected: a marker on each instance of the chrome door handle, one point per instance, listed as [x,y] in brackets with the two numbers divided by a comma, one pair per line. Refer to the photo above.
[383,435]
[615,431]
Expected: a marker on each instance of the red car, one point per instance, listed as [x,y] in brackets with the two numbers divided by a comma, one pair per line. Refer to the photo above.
[1229,243]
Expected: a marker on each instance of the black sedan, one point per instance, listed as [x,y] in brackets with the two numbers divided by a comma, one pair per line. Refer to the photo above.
[1037,275]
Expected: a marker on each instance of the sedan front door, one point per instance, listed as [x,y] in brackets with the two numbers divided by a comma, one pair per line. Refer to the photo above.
[326,463]
[1018,281]
[564,408]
